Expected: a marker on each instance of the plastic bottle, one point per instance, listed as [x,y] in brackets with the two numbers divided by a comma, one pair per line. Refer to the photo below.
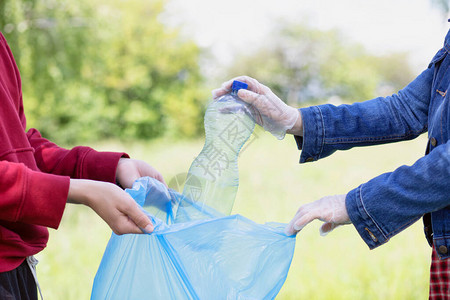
[213,177]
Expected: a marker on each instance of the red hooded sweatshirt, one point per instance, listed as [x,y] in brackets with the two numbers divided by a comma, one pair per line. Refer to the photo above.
[35,173]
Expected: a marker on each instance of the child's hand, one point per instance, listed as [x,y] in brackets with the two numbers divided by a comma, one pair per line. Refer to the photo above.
[330,209]
[112,204]
[128,170]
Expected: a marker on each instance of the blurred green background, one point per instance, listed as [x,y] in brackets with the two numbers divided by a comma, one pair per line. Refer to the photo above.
[114,69]
[116,75]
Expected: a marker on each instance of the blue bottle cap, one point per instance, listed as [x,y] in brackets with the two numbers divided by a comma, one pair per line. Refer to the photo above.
[237,85]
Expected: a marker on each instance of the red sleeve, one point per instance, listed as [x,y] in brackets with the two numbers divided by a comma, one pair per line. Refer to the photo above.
[24,195]
[79,162]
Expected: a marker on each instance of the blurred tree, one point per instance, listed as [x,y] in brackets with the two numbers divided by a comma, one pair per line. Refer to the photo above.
[99,69]
[46,38]
[152,83]
[96,69]
[304,64]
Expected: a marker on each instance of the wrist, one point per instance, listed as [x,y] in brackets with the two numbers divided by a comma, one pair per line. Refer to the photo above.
[78,191]
[121,168]
[297,129]
[120,164]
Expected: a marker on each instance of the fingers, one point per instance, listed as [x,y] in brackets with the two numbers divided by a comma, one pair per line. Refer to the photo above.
[248,96]
[300,220]
[253,85]
[303,221]
[219,92]
[147,170]
[158,176]
[129,170]
[139,219]
[126,226]
[329,209]
[224,89]
[152,172]
[117,208]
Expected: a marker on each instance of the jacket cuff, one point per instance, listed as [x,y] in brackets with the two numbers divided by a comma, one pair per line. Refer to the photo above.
[101,166]
[44,199]
[299,141]
[369,231]
[312,141]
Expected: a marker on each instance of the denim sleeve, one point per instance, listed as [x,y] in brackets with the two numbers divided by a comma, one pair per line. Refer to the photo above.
[389,203]
[402,116]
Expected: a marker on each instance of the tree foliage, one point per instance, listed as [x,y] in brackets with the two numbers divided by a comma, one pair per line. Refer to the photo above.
[303,64]
[111,68]
[103,69]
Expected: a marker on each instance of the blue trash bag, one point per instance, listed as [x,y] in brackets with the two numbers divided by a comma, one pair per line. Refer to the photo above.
[213,257]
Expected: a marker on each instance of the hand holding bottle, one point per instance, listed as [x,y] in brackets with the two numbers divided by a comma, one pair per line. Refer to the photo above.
[275,116]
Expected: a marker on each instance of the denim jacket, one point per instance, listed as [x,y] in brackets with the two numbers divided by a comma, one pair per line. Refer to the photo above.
[387,204]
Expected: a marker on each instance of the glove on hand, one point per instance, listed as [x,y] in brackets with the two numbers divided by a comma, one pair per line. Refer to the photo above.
[274,115]
[329,209]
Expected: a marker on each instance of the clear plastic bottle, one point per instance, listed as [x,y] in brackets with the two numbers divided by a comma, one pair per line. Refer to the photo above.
[213,177]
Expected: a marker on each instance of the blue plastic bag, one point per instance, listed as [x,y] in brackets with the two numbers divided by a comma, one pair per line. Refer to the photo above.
[212,257]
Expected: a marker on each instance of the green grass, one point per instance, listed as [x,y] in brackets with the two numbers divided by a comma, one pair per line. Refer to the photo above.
[272,186]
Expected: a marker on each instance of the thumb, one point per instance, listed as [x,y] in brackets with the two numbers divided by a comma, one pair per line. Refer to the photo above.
[327,227]
[140,219]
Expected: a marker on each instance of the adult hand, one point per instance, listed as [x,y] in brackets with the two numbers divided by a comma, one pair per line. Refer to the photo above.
[128,170]
[276,116]
[329,209]
[112,204]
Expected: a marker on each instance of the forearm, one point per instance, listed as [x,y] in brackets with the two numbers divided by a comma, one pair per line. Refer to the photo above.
[79,162]
[389,203]
[297,129]
[31,197]
[402,116]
